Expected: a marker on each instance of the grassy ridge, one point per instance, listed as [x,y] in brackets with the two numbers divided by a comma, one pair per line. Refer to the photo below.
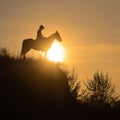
[38,89]
[31,87]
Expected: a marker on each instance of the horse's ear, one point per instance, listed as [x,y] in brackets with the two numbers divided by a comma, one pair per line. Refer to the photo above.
[56,31]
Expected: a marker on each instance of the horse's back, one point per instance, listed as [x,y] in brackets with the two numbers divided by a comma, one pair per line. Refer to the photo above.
[28,39]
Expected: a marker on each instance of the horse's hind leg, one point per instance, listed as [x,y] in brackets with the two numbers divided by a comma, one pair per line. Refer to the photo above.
[22,55]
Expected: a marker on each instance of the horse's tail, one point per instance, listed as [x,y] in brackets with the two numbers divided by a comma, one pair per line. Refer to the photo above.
[21,50]
[22,54]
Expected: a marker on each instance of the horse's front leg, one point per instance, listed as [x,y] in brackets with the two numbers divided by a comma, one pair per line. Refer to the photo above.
[45,55]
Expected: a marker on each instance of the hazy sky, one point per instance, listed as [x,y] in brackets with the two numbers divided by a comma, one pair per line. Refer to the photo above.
[90,30]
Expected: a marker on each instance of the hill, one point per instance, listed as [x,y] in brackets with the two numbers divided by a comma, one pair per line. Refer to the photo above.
[38,89]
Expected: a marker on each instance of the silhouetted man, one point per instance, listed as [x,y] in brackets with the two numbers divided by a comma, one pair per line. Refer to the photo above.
[39,33]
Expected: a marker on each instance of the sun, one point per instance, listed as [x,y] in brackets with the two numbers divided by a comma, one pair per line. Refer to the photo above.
[56,53]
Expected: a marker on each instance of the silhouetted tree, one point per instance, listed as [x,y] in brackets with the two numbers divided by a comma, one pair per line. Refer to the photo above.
[73,83]
[100,89]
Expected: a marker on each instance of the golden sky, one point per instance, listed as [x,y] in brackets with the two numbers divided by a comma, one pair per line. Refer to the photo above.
[90,30]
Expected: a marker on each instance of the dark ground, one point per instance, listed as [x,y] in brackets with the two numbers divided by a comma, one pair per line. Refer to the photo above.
[38,90]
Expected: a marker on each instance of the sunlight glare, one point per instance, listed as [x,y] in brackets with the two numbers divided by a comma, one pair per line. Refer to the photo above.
[56,53]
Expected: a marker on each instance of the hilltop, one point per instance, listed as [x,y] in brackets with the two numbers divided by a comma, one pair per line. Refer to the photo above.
[38,89]
[31,88]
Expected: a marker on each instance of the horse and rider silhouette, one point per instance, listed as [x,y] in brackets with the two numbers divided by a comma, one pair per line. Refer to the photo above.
[41,43]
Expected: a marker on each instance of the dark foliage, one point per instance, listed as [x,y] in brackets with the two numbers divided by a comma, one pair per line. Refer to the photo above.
[99,89]
[38,89]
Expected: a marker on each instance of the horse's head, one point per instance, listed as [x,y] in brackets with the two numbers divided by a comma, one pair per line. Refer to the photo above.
[58,37]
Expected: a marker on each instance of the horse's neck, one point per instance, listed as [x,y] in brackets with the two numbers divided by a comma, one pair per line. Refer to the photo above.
[52,37]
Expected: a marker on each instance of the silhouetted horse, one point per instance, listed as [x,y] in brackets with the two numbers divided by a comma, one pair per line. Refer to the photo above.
[40,45]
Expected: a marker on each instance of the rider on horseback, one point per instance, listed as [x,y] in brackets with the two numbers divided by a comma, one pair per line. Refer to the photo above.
[39,34]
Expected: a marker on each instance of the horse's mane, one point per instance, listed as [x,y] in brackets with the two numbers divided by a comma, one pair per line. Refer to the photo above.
[51,35]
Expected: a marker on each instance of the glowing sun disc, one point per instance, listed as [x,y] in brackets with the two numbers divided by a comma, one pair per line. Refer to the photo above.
[56,53]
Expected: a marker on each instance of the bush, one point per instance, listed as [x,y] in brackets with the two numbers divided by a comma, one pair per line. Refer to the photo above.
[100,89]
